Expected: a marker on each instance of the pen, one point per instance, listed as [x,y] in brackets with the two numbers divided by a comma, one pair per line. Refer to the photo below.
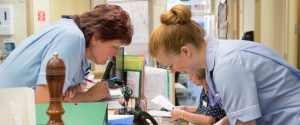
[114,78]
[88,80]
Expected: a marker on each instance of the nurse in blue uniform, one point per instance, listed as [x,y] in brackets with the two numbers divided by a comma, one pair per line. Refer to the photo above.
[253,83]
[92,36]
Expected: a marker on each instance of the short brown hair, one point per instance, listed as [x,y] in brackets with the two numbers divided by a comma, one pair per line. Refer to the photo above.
[201,74]
[176,30]
[106,22]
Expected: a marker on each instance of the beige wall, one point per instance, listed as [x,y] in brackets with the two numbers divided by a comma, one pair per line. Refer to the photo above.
[257,28]
[68,7]
[19,21]
[292,45]
[275,26]
[55,8]
[298,43]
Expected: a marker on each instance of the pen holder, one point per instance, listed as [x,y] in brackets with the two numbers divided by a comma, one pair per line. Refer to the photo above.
[55,76]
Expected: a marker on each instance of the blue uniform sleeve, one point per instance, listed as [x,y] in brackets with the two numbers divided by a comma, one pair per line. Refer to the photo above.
[70,46]
[237,87]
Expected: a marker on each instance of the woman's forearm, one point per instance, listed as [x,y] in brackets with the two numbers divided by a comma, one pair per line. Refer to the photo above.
[197,118]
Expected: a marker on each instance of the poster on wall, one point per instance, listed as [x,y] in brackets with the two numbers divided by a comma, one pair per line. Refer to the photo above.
[138,12]
[201,13]
[208,23]
[198,7]
[41,16]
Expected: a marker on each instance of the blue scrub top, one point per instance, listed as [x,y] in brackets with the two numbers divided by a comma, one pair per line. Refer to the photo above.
[26,65]
[252,82]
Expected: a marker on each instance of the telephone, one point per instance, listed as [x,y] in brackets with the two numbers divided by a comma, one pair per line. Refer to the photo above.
[142,117]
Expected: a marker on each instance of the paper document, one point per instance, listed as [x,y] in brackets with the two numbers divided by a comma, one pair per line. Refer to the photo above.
[11,114]
[163,102]
[180,89]
[155,77]
[115,92]
[157,113]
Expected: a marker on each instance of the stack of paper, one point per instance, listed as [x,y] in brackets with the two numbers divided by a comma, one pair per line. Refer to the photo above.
[116,93]
[17,106]
[163,102]
[157,82]
[134,66]
[157,113]
[180,89]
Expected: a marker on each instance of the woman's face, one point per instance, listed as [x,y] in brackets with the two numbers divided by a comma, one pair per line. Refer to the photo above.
[101,51]
[183,62]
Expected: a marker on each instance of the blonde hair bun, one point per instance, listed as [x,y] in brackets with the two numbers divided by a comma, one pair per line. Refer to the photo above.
[179,14]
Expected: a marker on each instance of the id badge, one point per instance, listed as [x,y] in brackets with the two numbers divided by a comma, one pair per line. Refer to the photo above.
[204,103]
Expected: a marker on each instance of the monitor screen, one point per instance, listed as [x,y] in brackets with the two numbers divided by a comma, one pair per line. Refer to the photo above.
[119,65]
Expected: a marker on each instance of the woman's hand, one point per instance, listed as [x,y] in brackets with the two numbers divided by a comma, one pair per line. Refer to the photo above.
[98,92]
[71,92]
[101,89]
[191,109]
[181,107]
[177,114]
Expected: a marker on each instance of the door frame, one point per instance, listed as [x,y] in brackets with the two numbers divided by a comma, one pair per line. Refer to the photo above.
[298,40]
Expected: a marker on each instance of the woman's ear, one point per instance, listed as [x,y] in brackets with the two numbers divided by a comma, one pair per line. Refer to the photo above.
[186,50]
[93,41]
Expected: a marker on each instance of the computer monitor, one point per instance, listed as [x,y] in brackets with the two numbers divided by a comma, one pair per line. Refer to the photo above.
[114,71]
[119,71]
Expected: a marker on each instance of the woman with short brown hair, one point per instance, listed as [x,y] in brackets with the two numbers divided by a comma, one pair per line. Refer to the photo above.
[93,36]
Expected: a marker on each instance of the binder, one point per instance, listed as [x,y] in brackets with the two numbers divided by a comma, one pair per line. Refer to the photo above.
[134,66]
[94,113]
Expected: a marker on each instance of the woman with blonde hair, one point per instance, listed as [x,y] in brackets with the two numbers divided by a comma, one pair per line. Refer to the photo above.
[252,83]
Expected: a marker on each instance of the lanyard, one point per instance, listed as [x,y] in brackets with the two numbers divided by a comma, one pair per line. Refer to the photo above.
[213,94]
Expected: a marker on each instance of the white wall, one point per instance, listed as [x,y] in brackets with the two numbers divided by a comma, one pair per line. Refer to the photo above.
[247,16]
[156,7]
[40,5]
[19,21]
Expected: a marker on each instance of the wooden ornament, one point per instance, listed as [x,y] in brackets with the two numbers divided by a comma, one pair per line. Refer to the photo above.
[55,76]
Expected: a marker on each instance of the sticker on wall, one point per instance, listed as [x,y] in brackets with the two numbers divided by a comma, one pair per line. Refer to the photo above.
[41,16]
